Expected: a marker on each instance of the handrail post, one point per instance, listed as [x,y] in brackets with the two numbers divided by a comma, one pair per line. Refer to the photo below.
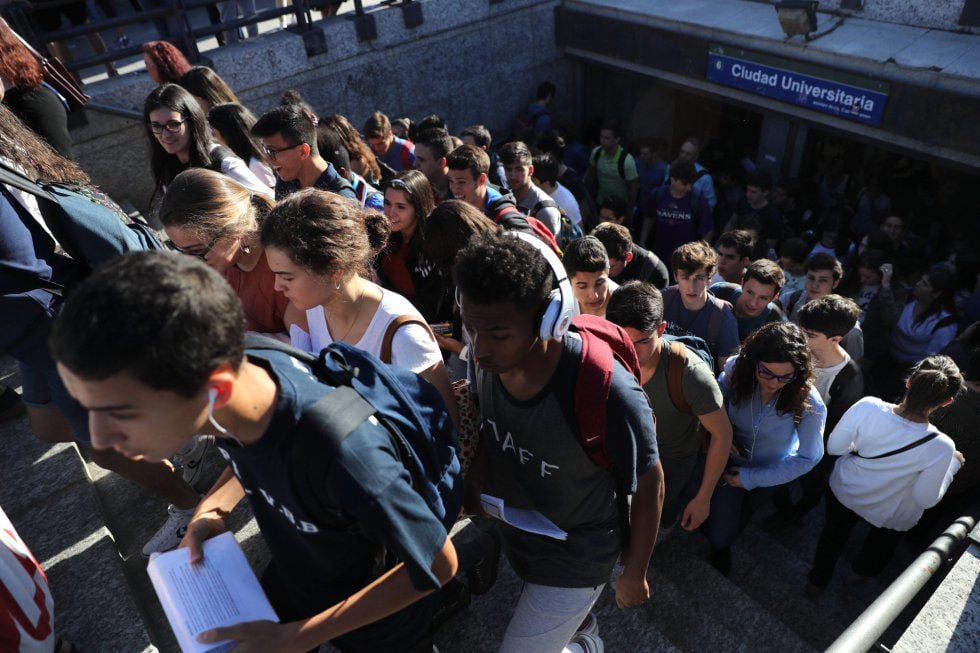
[364,25]
[187,30]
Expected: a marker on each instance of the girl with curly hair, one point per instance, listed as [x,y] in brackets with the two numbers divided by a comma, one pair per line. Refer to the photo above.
[778,419]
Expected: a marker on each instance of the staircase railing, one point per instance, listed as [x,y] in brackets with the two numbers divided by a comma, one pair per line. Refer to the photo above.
[867,630]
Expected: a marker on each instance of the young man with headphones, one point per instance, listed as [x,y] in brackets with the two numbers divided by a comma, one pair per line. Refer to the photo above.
[152,345]
[516,306]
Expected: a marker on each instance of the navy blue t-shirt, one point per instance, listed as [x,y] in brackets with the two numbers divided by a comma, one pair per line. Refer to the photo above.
[367,481]
[328,181]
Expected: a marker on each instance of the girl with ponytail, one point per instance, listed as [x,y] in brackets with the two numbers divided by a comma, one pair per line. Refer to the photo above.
[893,465]
[320,246]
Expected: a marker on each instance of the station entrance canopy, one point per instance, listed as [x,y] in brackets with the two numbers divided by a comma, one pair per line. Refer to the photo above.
[913,88]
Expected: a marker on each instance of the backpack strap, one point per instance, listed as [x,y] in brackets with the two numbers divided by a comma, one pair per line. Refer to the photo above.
[715,320]
[393,326]
[621,163]
[592,386]
[406,156]
[675,354]
[596,153]
[18,180]
[545,204]
[917,443]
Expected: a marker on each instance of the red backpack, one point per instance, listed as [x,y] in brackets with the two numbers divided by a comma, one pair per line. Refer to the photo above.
[506,215]
[602,343]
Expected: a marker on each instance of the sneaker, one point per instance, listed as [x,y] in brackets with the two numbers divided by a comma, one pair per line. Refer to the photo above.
[188,460]
[172,531]
[590,625]
[454,597]
[587,643]
[10,404]
[483,574]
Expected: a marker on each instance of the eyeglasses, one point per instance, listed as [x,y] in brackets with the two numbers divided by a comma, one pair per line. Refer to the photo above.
[766,373]
[202,254]
[272,154]
[172,126]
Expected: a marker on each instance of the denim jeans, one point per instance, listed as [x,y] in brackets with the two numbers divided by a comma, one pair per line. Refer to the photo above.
[731,509]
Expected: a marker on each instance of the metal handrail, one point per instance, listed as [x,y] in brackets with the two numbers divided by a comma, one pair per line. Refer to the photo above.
[868,628]
[19,11]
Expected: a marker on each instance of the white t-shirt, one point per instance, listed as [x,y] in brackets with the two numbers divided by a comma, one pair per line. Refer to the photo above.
[412,347]
[564,198]
[825,378]
[890,492]
[262,172]
[549,216]
[237,170]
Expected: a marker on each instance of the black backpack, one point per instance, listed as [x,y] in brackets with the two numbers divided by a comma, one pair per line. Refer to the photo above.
[620,161]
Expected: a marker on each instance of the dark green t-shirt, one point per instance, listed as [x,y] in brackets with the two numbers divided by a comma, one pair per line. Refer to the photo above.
[537,462]
[678,435]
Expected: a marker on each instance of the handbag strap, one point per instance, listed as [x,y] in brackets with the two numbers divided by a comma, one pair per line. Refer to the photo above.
[907,447]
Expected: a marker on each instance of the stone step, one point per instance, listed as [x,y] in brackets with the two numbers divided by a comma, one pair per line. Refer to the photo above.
[682,559]
[133,517]
[775,577]
[677,613]
[50,500]
[481,627]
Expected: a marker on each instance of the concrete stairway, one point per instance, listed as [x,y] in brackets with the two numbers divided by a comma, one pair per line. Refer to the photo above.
[760,607]
[87,526]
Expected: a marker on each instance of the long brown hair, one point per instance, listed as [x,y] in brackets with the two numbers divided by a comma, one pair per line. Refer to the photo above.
[38,160]
[776,342]
[356,147]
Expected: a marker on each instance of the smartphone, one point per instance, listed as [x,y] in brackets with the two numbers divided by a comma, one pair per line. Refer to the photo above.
[442,328]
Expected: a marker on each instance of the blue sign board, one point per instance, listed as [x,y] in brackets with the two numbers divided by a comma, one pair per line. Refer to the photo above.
[836,93]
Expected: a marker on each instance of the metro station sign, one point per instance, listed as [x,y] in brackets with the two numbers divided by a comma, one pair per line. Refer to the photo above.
[821,89]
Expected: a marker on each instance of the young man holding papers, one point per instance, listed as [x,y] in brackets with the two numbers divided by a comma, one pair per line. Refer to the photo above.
[153,346]
[516,302]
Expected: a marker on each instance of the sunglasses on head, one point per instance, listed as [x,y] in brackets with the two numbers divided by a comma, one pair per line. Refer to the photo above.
[766,373]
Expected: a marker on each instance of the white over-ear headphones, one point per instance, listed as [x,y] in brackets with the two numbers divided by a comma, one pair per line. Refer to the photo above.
[559,308]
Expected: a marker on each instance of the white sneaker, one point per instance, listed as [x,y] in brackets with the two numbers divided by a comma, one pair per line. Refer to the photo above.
[590,626]
[587,643]
[172,531]
[188,460]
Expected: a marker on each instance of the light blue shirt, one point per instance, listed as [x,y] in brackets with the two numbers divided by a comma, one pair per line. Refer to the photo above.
[776,450]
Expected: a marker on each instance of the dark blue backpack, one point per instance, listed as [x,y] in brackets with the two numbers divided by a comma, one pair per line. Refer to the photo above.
[90,227]
[410,409]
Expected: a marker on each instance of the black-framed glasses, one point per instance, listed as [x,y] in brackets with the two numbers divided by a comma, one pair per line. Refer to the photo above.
[202,254]
[172,126]
[272,154]
[767,373]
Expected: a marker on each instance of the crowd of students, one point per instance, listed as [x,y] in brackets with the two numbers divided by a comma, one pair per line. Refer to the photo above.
[743,319]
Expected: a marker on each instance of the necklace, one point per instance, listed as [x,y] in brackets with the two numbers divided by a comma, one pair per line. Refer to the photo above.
[357,314]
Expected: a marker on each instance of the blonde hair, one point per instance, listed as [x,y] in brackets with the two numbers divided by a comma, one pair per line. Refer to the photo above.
[212,204]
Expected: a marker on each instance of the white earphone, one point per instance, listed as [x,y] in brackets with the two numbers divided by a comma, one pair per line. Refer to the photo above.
[212,397]
[559,308]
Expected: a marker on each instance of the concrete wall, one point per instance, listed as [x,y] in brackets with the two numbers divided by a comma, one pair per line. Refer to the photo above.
[470,62]
[934,14]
